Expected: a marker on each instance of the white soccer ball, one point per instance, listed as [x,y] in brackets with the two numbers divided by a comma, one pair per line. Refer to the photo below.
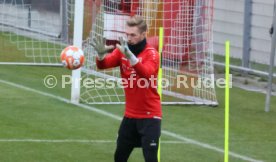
[72,57]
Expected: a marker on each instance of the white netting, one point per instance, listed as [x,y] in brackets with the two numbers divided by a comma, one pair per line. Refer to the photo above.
[38,34]
[187,50]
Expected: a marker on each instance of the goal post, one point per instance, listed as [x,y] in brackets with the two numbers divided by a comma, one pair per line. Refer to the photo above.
[78,31]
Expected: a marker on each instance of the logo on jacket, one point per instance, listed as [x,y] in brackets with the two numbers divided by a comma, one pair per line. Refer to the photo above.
[140,59]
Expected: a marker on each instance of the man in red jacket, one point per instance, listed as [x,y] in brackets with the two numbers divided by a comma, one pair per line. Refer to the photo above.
[139,64]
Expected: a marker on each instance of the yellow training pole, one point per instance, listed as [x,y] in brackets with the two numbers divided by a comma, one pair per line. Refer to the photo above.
[226,135]
[161,34]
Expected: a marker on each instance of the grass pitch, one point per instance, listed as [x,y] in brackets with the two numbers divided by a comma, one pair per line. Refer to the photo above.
[35,127]
[37,124]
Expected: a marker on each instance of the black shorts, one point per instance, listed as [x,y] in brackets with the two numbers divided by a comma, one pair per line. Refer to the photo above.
[132,130]
[143,133]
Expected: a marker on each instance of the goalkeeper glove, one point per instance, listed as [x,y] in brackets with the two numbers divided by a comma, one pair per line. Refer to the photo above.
[125,50]
[99,45]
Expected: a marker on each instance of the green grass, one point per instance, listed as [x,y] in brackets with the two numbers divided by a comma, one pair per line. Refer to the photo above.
[28,115]
[238,62]
[15,48]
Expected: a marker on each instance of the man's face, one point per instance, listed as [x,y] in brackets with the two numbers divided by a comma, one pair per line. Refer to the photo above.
[133,34]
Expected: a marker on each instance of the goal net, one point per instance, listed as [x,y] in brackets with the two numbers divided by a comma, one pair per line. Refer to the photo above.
[41,29]
[187,60]
[38,29]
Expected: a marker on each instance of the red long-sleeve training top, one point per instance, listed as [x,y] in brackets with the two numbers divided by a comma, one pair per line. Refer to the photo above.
[142,99]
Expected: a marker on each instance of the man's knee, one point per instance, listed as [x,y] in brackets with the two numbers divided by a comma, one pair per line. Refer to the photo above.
[122,152]
[150,155]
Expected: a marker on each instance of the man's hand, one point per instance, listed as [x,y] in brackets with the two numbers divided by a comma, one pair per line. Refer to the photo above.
[123,47]
[99,45]
[125,50]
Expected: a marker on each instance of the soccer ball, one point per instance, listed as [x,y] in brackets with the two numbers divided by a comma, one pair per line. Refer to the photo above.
[72,57]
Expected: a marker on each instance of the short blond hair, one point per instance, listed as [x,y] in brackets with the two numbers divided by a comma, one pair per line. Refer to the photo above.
[139,22]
